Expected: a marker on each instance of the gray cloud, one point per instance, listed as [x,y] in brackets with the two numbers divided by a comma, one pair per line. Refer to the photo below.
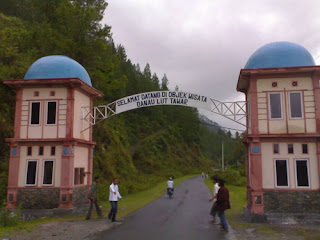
[202,45]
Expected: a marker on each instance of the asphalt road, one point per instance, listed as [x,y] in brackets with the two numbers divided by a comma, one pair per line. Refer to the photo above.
[184,217]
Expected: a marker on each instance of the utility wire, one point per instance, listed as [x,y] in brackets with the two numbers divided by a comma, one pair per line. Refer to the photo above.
[221,127]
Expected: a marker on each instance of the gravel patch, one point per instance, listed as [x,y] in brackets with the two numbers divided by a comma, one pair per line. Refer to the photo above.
[69,229]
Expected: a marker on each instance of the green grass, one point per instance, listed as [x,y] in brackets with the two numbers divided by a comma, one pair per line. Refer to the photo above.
[237,196]
[310,234]
[238,200]
[28,226]
[129,204]
[266,230]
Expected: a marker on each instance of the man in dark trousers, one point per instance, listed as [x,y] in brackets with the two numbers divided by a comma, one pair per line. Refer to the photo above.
[223,204]
[93,196]
[113,198]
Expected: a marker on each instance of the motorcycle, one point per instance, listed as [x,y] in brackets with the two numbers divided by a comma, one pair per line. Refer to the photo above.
[170,192]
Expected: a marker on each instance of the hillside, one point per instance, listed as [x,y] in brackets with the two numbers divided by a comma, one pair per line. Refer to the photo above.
[141,147]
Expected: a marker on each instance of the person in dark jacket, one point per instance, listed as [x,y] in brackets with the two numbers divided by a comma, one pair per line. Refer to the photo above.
[93,196]
[223,204]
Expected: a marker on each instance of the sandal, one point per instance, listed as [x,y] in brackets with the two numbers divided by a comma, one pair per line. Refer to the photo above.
[226,230]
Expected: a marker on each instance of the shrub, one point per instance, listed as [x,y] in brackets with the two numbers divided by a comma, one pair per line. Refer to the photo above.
[231,177]
[9,218]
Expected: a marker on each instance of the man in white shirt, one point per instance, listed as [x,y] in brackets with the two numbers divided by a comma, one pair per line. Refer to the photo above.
[214,209]
[113,198]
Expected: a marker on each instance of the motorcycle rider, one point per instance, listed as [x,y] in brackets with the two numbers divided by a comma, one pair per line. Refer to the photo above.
[170,184]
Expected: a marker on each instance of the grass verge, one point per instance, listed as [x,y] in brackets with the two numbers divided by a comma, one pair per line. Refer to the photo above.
[129,204]
[28,226]
[237,200]
[262,231]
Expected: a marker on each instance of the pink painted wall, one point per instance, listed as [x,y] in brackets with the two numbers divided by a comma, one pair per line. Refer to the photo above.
[262,132]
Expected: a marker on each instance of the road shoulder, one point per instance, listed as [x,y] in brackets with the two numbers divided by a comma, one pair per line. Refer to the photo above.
[68,229]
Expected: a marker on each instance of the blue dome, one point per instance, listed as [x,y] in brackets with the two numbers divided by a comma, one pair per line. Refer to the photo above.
[280,54]
[57,66]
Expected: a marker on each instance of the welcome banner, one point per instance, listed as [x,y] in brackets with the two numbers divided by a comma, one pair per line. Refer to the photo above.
[149,99]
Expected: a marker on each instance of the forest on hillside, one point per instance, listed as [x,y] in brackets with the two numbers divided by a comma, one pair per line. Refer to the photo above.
[141,147]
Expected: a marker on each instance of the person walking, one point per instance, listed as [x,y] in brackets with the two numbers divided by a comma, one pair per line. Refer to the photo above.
[223,204]
[113,198]
[213,211]
[93,197]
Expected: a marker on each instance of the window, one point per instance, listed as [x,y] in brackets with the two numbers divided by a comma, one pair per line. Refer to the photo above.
[29,151]
[76,176]
[82,174]
[47,173]
[51,112]
[10,197]
[258,200]
[31,173]
[282,173]
[40,151]
[275,105]
[64,198]
[276,148]
[79,176]
[35,113]
[53,151]
[290,148]
[302,173]
[305,148]
[295,104]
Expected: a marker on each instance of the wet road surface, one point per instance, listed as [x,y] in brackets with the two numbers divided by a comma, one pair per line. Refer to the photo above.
[184,217]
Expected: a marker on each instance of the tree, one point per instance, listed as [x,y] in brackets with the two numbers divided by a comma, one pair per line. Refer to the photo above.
[147,72]
[155,82]
[15,59]
[164,82]
[237,135]
[122,53]
[229,134]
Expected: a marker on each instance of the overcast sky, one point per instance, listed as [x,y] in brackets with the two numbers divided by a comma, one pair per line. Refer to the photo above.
[202,45]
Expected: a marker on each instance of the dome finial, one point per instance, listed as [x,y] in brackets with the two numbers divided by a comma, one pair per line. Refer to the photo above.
[57,66]
[280,54]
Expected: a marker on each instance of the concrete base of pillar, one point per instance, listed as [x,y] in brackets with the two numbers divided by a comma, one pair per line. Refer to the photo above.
[282,218]
[293,219]
[254,217]
[29,214]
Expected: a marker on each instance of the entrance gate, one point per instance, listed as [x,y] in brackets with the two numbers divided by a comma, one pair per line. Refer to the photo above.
[235,111]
